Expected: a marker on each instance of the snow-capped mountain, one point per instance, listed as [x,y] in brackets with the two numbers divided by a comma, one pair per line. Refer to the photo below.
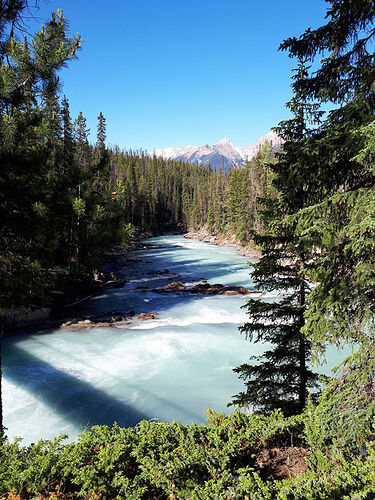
[251,150]
[223,153]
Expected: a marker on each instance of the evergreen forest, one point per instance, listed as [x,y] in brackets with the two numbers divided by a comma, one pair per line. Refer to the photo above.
[309,210]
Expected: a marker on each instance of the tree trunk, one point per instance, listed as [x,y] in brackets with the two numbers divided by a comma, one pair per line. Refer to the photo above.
[302,344]
[1,397]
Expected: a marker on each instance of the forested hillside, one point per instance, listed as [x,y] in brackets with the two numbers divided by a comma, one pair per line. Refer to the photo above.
[163,194]
[62,198]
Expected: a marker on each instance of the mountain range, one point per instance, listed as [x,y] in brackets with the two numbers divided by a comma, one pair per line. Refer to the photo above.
[221,154]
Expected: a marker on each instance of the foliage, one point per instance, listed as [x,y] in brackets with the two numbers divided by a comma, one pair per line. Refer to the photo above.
[159,460]
[334,224]
[325,177]
[346,410]
[280,378]
[312,212]
[30,176]
[339,222]
[347,70]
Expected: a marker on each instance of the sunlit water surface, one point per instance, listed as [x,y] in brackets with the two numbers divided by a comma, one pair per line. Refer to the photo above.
[172,368]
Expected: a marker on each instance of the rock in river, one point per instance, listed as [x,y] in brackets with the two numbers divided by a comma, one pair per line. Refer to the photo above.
[205,289]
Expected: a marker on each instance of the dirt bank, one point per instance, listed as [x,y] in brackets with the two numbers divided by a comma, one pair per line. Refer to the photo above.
[223,240]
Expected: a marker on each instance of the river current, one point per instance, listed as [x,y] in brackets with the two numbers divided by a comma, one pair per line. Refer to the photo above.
[170,368]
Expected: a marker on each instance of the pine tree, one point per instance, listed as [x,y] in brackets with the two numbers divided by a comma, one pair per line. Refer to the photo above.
[9,13]
[28,95]
[341,223]
[27,154]
[280,378]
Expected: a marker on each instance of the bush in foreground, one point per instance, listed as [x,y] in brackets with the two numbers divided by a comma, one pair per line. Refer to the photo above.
[235,456]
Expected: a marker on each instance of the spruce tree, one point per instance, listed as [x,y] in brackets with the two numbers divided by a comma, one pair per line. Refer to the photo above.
[81,133]
[74,204]
[281,378]
[101,137]
[68,135]
[340,224]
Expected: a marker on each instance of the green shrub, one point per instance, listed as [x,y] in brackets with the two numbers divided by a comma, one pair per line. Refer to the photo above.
[176,461]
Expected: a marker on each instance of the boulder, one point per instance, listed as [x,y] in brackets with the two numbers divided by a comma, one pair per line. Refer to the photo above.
[84,324]
[205,289]
[219,289]
[149,315]
[175,286]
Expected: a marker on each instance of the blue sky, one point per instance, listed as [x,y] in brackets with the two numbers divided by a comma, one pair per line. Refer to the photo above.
[171,73]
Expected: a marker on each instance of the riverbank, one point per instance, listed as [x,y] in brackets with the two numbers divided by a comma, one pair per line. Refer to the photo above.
[65,307]
[60,305]
[203,234]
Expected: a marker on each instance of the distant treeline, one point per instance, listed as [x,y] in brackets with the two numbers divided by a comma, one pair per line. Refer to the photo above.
[159,194]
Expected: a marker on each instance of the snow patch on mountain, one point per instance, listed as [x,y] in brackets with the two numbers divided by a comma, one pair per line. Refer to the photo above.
[223,153]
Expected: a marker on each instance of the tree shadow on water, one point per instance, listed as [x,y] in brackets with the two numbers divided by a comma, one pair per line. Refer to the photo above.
[75,400]
[72,398]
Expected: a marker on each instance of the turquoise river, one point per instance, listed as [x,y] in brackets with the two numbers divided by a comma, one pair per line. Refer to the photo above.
[171,368]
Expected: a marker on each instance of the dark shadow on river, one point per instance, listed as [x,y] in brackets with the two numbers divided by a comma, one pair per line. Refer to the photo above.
[79,402]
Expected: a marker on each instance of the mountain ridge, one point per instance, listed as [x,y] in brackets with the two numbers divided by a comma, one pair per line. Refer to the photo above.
[223,153]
